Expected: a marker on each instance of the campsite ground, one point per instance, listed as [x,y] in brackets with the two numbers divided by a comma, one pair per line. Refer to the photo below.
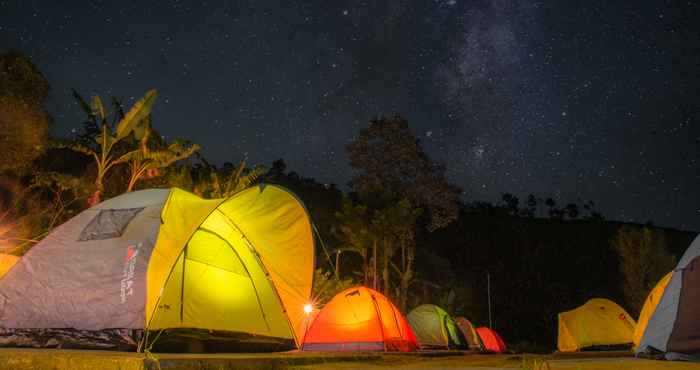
[498,362]
[21,359]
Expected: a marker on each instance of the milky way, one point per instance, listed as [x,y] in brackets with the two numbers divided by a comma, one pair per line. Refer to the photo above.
[597,100]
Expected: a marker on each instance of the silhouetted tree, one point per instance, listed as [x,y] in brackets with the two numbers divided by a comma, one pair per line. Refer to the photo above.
[389,163]
[24,122]
[397,180]
[644,260]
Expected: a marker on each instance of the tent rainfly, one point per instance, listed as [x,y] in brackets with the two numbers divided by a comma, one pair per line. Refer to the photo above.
[435,328]
[599,322]
[469,333]
[163,266]
[359,319]
[649,306]
[491,340]
[673,330]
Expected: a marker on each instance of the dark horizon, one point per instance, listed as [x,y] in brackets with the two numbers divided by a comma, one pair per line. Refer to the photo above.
[596,101]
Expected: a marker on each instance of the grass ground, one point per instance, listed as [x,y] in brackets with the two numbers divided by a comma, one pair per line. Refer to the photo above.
[496,362]
[35,359]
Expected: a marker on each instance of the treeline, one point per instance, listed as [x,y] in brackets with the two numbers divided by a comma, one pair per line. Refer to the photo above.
[402,228]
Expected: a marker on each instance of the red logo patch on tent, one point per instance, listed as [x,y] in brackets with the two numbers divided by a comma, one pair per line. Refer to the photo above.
[130,251]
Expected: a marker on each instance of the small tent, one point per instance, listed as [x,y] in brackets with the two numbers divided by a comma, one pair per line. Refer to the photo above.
[469,333]
[165,267]
[649,306]
[435,328]
[673,329]
[359,319]
[491,340]
[599,322]
[7,261]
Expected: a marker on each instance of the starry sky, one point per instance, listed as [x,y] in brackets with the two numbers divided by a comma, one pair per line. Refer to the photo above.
[597,100]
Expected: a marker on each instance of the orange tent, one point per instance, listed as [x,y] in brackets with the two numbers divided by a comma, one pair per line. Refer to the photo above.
[491,340]
[359,319]
[7,261]
[469,332]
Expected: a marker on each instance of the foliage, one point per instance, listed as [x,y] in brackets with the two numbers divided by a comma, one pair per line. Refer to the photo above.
[354,233]
[24,123]
[534,207]
[30,211]
[644,260]
[178,176]
[102,150]
[17,222]
[377,236]
[397,182]
[147,161]
[389,163]
[395,226]
[327,285]
[21,79]
[223,183]
[24,126]
[24,129]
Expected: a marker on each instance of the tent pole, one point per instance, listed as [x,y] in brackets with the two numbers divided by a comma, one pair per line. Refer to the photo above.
[379,317]
[488,289]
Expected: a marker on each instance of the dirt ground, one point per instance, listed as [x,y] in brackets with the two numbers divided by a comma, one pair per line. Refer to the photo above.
[495,362]
[56,359]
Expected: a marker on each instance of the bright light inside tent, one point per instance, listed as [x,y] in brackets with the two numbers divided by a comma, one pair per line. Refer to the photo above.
[308,308]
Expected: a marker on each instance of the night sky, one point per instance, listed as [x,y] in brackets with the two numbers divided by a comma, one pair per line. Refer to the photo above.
[597,100]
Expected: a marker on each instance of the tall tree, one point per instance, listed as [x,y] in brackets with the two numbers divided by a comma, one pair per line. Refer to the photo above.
[644,259]
[390,164]
[24,123]
[19,77]
[23,133]
[396,179]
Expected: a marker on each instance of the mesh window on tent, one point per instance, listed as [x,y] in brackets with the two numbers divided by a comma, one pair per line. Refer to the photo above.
[109,223]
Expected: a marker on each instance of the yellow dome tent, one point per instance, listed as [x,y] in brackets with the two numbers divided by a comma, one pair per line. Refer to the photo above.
[164,267]
[649,306]
[599,322]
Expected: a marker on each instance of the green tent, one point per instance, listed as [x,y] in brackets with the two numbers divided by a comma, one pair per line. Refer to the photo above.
[435,328]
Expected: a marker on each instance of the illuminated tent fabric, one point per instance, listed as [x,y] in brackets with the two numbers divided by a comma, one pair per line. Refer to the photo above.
[468,332]
[7,261]
[169,264]
[599,322]
[649,306]
[674,328]
[359,319]
[491,340]
[435,328]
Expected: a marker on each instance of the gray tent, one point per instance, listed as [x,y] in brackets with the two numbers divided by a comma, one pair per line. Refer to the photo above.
[223,274]
[674,327]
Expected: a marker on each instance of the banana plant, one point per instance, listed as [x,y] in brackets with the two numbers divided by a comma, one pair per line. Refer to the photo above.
[221,187]
[144,160]
[109,135]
